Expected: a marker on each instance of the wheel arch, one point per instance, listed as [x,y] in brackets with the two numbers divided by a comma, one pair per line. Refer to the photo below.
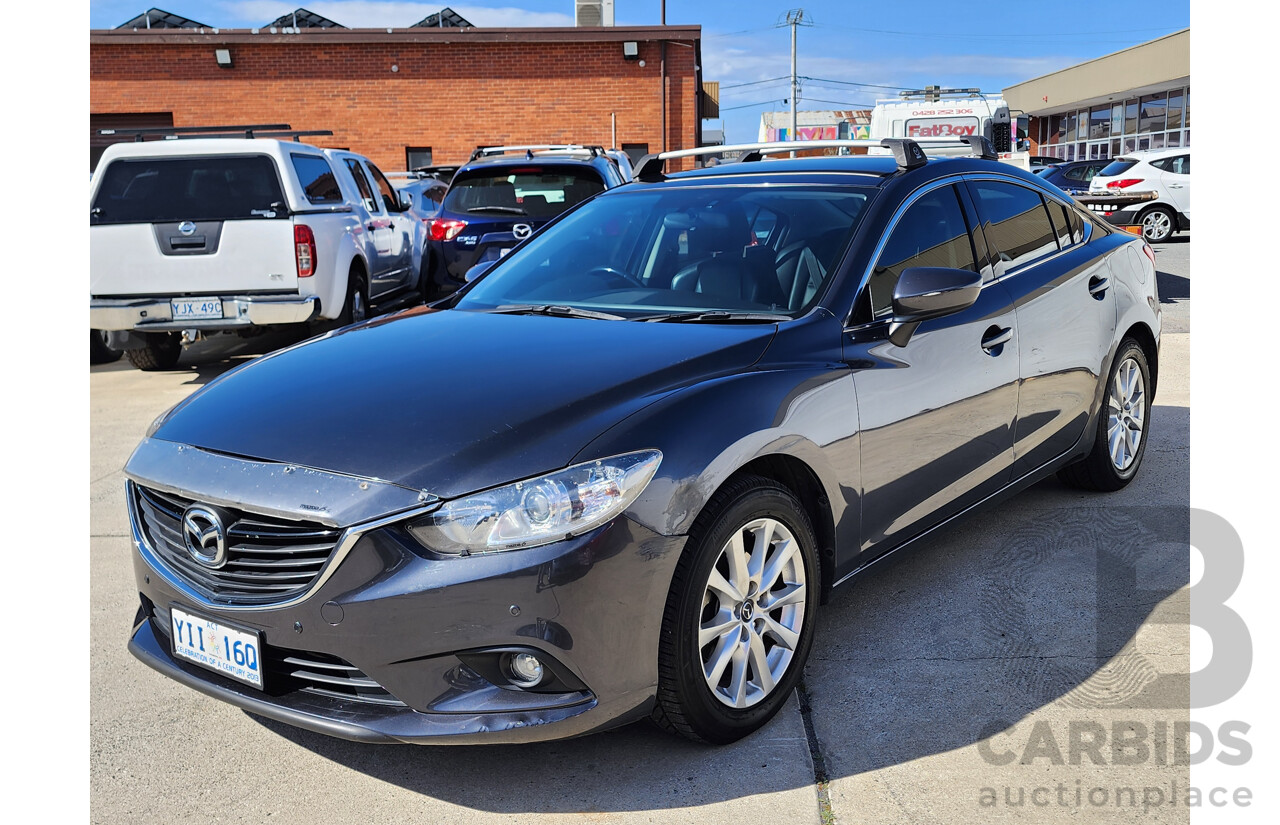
[798,477]
[1146,339]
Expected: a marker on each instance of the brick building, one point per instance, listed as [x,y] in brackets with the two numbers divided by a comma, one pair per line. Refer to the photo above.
[408,96]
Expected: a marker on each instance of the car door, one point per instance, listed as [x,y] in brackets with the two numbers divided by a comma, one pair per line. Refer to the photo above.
[936,415]
[377,227]
[399,272]
[1175,176]
[1065,304]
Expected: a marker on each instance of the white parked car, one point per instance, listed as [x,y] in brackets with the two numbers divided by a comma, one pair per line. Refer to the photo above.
[188,237]
[1167,173]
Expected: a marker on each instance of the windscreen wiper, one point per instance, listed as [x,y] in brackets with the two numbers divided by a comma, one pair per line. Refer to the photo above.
[557,310]
[714,315]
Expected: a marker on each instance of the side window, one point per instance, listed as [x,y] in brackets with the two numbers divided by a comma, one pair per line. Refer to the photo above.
[388,193]
[1016,222]
[316,177]
[1077,174]
[1061,223]
[932,232]
[1181,165]
[362,183]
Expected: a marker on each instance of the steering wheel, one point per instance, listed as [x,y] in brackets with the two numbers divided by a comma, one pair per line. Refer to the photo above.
[616,274]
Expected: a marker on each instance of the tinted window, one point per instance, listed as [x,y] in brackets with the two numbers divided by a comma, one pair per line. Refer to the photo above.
[316,177]
[155,190]
[1117,167]
[679,250]
[1015,222]
[932,232]
[533,191]
[388,193]
[1061,223]
[1180,165]
[362,183]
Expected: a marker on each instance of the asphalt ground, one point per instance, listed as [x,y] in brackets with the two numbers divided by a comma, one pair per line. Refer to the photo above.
[1027,664]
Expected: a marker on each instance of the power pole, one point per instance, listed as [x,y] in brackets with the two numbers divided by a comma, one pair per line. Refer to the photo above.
[794,18]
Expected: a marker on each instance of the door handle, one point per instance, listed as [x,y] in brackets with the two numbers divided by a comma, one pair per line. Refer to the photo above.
[996,337]
[1175,186]
[1098,286]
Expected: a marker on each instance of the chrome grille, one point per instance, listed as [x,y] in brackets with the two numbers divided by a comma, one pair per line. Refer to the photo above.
[268,560]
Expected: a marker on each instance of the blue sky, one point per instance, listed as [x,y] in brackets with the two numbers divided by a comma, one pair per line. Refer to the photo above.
[874,44]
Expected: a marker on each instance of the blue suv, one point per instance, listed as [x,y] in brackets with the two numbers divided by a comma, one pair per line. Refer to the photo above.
[500,197]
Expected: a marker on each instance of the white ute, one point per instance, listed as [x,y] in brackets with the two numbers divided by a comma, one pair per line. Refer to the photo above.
[221,234]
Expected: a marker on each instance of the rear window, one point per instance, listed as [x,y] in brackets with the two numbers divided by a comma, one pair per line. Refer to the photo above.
[1117,167]
[162,190]
[316,177]
[535,192]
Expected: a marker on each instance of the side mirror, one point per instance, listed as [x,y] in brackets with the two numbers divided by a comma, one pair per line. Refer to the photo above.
[404,200]
[925,292]
[478,270]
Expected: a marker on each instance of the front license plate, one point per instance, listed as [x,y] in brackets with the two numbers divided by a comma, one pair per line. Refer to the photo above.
[218,647]
[196,308]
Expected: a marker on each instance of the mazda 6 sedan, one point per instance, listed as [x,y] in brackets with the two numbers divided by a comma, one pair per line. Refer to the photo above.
[616,476]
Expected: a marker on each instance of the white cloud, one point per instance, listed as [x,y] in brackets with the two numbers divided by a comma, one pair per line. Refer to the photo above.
[365,14]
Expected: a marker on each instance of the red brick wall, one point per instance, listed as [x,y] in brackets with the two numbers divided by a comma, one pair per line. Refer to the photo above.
[448,96]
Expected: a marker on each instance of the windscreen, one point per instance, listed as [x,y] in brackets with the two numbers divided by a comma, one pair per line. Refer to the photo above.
[683,249]
[160,190]
[535,192]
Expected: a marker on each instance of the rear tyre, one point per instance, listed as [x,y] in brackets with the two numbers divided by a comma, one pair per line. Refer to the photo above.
[740,614]
[160,352]
[1158,224]
[99,352]
[356,307]
[426,279]
[1123,426]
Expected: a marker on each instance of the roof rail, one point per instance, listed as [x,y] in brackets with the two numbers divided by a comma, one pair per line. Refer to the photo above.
[651,166]
[185,131]
[492,151]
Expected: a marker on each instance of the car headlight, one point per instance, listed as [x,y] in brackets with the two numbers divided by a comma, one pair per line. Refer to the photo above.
[540,510]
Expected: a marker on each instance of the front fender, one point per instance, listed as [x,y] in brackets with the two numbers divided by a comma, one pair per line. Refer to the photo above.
[707,432]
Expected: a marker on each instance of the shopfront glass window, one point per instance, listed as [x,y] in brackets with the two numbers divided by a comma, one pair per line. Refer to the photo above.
[1117,119]
[1100,123]
[1175,110]
[1131,117]
[1151,117]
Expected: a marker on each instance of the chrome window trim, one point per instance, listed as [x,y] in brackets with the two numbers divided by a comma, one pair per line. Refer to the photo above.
[1026,267]
[345,543]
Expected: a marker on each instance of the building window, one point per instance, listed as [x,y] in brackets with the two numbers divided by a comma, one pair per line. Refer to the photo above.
[1152,117]
[416,157]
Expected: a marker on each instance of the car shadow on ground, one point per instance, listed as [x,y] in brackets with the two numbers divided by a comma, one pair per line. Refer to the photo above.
[1172,288]
[1035,601]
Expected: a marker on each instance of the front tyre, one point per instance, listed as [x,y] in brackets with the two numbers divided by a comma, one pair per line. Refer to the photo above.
[740,614]
[1123,426]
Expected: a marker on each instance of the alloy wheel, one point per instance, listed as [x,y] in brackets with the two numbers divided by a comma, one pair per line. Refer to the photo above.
[753,612]
[1126,414]
[1156,225]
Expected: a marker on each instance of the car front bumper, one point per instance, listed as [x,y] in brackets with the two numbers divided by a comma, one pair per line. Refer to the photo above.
[398,618]
[238,311]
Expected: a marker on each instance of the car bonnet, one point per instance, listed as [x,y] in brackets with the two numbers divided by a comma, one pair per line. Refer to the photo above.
[454,401]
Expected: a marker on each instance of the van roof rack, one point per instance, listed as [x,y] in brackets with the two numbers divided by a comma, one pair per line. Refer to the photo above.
[937,93]
[908,152]
[258,130]
[494,151]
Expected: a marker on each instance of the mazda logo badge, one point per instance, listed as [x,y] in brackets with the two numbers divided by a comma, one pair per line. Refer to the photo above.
[205,536]
[522,231]
[187,228]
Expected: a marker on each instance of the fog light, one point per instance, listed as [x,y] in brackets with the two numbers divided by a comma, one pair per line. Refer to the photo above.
[525,669]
